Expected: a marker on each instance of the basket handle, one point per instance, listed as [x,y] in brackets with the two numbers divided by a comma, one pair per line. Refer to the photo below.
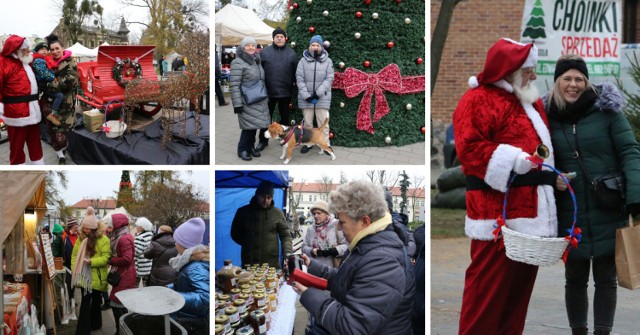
[575,233]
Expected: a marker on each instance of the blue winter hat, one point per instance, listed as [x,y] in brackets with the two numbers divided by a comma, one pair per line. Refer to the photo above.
[316,39]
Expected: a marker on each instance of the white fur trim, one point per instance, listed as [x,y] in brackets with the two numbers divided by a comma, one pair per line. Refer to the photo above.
[1,109]
[25,44]
[473,82]
[544,225]
[541,130]
[532,59]
[500,166]
[503,84]
[34,108]
[38,162]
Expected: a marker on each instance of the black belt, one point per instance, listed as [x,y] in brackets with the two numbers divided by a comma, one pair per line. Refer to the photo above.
[531,178]
[24,98]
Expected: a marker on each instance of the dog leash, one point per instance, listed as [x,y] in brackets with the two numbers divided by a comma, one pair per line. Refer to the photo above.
[291,133]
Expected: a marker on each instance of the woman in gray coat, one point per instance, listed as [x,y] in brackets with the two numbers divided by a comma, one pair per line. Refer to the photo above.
[246,67]
[314,77]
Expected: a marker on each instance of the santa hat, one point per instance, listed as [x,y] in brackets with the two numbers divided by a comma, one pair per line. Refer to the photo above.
[13,44]
[504,58]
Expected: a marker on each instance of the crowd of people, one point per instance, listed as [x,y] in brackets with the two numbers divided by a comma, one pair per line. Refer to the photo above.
[373,264]
[499,123]
[94,250]
[284,76]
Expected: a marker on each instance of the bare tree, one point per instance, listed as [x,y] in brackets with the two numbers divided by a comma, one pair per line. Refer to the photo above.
[294,200]
[440,37]
[276,11]
[325,186]
[387,178]
[170,202]
[343,178]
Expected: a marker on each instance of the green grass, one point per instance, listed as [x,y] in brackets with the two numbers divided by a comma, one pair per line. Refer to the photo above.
[446,223]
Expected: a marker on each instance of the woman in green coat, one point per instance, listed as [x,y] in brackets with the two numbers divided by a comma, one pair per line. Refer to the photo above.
[89,260]
[589,119]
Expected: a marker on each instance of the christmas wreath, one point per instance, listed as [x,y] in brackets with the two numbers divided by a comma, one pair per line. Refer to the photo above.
[128,66]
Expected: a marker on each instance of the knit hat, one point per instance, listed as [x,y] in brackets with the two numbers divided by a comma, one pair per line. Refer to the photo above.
[119,220]
[90,221]
[144,223]
[504,58]
[40,46]
[165,229]
[57,229]
[564,65]
[247,40]
[278,31]
[190,233]
[316,39]
[265,188]
[321,205]
[71,222]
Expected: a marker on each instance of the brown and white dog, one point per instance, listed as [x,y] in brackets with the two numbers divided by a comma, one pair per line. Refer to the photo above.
[290,137]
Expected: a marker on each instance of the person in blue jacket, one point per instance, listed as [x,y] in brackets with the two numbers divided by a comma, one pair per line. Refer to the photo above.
[192,281]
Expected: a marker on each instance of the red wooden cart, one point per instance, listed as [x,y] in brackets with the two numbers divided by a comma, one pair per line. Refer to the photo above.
[100,85]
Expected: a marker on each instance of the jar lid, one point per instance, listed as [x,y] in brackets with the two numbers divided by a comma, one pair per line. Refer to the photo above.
[222,319]
[218,327]
[239,302]
[224,297]
[235,290]
[257,313]
[246,330]
[258,296]
[231,310]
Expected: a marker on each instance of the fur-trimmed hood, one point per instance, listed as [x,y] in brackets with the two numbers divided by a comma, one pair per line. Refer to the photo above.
[610,98]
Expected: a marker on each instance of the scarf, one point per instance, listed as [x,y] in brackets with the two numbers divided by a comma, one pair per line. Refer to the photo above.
[373,228]
[575,111]
[320,238]
[81,274]
[181,260]
[65,54]
[116,236]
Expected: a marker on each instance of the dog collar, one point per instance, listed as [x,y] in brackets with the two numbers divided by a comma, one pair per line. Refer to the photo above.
[291,132]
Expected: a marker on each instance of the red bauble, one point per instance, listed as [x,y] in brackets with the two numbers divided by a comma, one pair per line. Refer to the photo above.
[367,2]
[366,63]
[390,45]
[358,14]
[398,1]
[331,135]
[423,129]
[419,60]
[312,30]
[295,5]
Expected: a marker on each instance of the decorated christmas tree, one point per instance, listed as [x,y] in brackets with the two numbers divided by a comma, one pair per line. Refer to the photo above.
[125,191]
[535,25]
[377,48]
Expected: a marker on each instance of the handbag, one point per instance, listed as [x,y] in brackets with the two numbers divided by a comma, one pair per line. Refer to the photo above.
[628,256]
[113,278]
[609,188]
[253,91]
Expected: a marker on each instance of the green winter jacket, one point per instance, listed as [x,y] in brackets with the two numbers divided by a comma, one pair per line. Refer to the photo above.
[257,229]
[606,144]
[98,261]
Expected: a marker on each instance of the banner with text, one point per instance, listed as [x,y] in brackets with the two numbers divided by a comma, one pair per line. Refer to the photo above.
[589,29]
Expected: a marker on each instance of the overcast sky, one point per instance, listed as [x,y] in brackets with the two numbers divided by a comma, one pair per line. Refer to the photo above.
[313,173]
[94,184]
[39,17]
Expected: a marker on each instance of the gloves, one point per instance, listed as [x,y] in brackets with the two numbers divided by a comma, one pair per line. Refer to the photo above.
[309,99]
[237,110]
[315,96]
[329,252]
[522,165]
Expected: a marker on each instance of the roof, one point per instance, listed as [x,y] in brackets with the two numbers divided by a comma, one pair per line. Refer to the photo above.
[84,203]
[321,187]
[204,207]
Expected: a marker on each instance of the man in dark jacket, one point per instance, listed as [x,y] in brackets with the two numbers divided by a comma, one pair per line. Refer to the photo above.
[257,226]
[279,63]
[218,74]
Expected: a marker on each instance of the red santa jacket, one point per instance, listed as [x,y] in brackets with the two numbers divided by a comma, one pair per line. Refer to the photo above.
[17,80]
[492,127]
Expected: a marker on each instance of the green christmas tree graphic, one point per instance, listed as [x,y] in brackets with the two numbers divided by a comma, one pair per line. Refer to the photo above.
[535,25]
[377,49]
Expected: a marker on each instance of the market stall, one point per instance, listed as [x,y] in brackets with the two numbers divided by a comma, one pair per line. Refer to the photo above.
[21,254]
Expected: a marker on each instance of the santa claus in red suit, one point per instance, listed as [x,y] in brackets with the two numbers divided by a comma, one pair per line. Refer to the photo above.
[498,124]
[19,107]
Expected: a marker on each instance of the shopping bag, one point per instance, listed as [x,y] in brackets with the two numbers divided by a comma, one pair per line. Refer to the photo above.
[628,256]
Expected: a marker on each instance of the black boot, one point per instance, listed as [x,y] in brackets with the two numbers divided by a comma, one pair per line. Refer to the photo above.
[245,156]
[261,146]
[601,332]
[304,149]
[579,331]
[255,153]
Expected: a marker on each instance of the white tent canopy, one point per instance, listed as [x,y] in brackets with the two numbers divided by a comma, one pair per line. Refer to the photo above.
[234,23]
[79,50]
[119,210]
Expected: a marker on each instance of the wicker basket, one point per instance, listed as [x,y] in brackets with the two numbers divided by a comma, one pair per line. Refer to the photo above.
[533,250]
[536,250]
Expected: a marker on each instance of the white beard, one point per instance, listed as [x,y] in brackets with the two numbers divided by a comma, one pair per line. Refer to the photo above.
[527,94]
[26,59]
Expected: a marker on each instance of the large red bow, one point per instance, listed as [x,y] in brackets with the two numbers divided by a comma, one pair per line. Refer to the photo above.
[389,79]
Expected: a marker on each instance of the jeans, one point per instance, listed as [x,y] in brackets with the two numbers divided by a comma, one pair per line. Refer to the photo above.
[604,300]
[57,101]
[219,93]
[247,140]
